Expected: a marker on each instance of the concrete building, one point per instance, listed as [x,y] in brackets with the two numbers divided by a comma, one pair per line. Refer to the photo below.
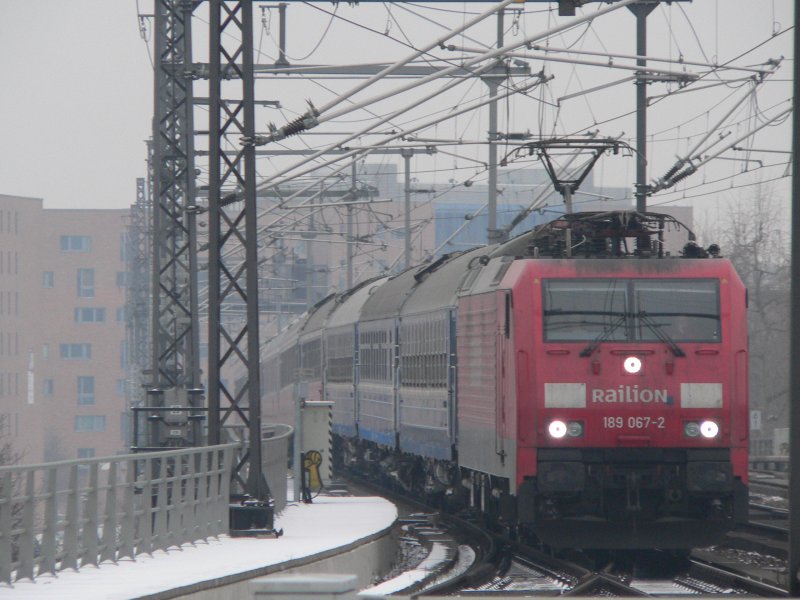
[62,330]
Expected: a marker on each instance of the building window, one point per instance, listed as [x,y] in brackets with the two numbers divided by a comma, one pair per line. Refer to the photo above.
[121,314]
[90,315]
[121,386]
[75,351]
[76,243]
[86,452]
[48,387]
[45,351]
[85,283]
[85,390]
[90,423]
[48,279]
[122,278]
[124,244]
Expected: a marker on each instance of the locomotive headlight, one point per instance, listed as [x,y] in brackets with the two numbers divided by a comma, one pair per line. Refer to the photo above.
[632,365]
[557,429]
[691,429]
[709,429]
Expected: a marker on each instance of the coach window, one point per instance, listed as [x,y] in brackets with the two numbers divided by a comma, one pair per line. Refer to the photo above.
[340,358]
[311,357]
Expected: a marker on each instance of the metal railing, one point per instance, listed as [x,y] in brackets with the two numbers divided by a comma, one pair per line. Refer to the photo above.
[64,515]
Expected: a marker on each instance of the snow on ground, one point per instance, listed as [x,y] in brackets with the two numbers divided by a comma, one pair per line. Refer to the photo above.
[308,529]
[437,556]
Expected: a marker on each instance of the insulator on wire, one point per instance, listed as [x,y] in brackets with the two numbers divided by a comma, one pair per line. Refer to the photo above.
[668,175]
[294,127]
[682,175]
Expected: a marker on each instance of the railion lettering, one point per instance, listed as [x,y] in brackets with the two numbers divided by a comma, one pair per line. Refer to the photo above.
[627,394]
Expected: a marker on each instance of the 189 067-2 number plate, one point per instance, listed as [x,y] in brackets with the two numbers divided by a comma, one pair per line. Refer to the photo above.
[632,422]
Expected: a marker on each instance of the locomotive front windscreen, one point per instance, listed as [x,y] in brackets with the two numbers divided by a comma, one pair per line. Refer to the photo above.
[684,310]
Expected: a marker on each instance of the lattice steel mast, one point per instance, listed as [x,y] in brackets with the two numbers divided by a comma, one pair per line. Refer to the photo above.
[232,225]
[175,372]
[137,302]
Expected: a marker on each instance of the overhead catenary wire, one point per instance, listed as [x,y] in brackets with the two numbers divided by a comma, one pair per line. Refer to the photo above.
[690,153]
[678,75]
[668,182]
[316,116]
[476,60]
[402,62]
[278,178]
[680,61]
[356,152]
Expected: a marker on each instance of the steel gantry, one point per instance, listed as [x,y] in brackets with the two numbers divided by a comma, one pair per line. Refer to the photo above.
[174,395]
[232,226]
[138,293]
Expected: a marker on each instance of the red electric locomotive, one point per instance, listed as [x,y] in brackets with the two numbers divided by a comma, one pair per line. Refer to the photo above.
[592,396]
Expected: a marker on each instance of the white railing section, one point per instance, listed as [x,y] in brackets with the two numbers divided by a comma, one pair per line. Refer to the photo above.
[64,515]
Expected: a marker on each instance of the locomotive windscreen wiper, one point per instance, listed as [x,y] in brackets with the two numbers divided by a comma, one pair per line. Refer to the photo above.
[662,335]
[606,333]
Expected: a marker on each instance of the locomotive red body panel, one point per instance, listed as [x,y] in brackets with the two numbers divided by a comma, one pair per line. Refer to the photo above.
[571,374]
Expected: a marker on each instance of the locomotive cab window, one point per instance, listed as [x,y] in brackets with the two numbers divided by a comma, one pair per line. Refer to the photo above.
[685,310]
[581,309]
[645,310]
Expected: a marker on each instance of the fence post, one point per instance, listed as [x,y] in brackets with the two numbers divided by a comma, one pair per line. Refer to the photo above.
[6,509]
[128,514]
[160,528]
[215,512]
[48,556]
[225,488]
[109,551]
[71,527]
[26,538]
[190,496]
[178,522]
[90,522]
[202,514]
[146,518]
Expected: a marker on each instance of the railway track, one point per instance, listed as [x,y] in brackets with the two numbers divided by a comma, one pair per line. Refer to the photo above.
[527,576]
[478,562]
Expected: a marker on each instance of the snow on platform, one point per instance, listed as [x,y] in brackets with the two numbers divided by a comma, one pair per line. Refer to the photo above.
[309,529]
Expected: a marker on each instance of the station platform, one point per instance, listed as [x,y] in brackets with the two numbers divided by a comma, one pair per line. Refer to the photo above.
[350,534]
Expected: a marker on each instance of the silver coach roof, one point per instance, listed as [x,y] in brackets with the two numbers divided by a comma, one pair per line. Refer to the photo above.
[318,315]
[388,298]
[349,305]
[439,287]
[424,288]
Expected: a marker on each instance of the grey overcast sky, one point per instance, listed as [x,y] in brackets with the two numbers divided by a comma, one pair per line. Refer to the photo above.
[76,102]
